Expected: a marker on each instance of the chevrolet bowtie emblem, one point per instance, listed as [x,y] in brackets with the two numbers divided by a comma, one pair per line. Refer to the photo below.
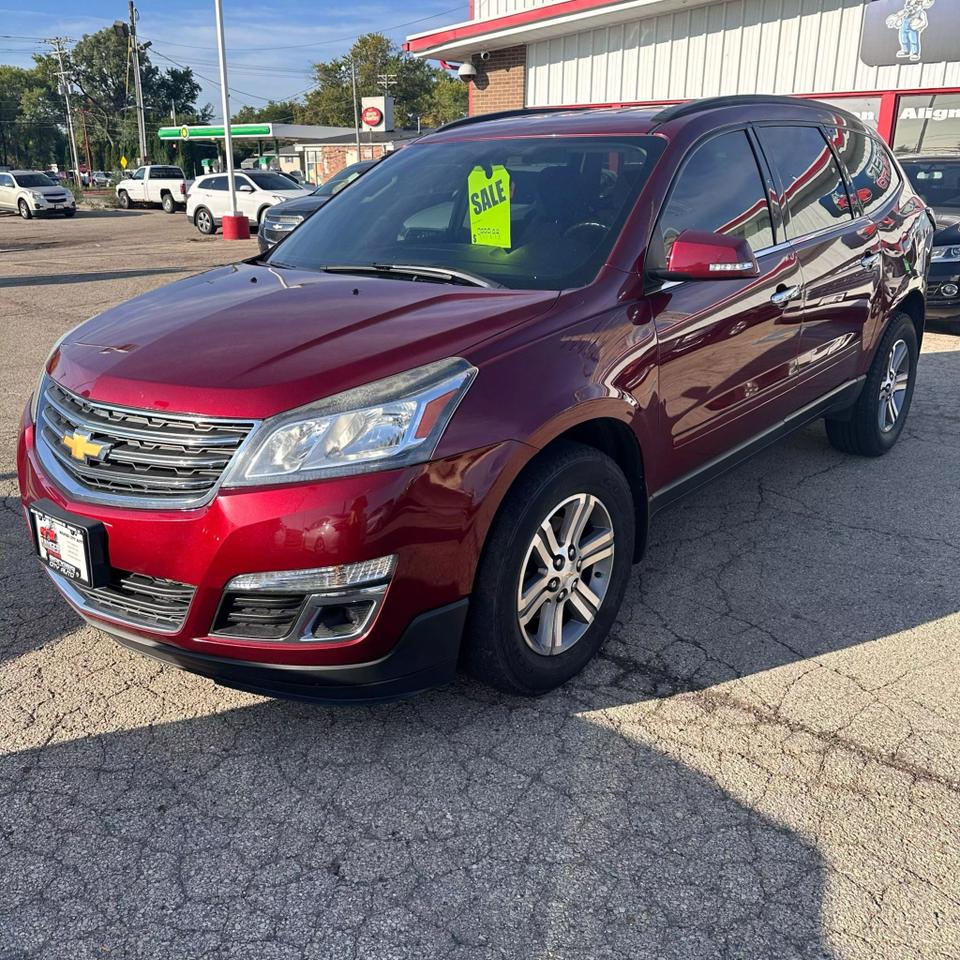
[81,447]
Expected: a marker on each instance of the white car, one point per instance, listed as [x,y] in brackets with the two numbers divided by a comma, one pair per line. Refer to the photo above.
[29,192]
[208,199]
[151,185]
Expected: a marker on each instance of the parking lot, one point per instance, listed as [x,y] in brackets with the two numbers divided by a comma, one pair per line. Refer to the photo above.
[764,762]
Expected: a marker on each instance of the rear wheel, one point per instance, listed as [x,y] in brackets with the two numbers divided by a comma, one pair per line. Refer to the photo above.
[166,201]
[24,209]
[204,222]
[553,572]
[877,418]
[123,198]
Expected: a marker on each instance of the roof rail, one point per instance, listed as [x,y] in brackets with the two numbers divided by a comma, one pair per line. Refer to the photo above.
[737,100]
[506,114]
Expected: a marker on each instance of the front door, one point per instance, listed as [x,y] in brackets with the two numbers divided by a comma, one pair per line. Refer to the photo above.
[838,251]
[728,348]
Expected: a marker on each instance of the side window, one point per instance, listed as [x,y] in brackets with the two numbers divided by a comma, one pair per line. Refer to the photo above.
[814,191]
[5,181]
[719,190]
[139,174]
[216,183]
[239,182]
[874,176]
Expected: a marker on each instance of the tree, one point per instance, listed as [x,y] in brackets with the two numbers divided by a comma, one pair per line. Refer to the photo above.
[100,67]
[31,114]
[419,90]
[275,111]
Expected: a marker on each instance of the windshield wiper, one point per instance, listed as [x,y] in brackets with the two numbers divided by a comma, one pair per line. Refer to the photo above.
[439,274]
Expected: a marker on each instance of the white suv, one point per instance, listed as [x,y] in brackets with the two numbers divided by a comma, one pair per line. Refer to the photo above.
[208,199]
[28,192]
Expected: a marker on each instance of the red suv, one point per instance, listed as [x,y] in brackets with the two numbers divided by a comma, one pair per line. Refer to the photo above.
[429,427]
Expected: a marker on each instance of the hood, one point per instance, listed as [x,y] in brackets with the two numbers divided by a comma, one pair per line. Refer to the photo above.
[52,190]
[301,207]
[948,226]
[251,341]
[288,196]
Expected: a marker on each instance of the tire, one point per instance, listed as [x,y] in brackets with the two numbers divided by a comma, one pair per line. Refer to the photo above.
[528,660]
[24,209]
[69,212]
[204,222]
[168,203]
[862,432]
[123,198]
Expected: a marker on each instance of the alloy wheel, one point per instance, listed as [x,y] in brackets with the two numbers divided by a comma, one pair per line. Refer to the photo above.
[565,574]
[893,387]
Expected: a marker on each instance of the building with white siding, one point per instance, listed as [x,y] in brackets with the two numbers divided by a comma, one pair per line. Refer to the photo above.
[895,63]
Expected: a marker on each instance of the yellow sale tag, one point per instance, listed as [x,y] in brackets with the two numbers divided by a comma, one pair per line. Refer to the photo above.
[489,206]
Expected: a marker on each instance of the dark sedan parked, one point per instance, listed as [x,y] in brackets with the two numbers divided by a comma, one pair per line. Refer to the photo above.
[937,180]
[278,221]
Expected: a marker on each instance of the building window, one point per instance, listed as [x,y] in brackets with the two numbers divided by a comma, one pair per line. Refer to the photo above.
[928,124]
[867,109]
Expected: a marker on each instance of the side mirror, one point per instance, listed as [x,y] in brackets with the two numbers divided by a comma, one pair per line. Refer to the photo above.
[699,255]
[244,188]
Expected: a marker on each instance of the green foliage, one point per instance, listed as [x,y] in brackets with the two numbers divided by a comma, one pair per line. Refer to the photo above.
[420,90]
[30,133]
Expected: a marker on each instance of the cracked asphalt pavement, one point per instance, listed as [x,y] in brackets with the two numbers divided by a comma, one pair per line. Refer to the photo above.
[763,762]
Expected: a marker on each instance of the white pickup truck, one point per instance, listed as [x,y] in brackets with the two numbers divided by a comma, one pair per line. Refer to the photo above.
[153,185]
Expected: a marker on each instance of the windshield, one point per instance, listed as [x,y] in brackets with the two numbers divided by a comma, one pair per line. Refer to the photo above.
[271,181]
[538,213]
[937,181]
[35,180]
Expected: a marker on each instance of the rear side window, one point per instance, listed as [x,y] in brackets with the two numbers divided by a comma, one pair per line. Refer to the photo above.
[166,173]
[215,183]
[874,177]
[814,191]
[719,190]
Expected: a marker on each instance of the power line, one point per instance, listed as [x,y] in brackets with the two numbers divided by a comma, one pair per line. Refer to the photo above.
[317,43]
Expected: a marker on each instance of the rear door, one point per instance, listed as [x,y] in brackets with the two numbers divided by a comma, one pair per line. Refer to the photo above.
[728,348]
[838,250]
[7,191]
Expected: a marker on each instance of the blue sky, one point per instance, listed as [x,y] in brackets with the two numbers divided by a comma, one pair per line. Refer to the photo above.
[270,46]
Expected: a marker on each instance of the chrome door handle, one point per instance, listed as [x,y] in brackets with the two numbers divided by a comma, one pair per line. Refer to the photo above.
[869,260]
[782,297]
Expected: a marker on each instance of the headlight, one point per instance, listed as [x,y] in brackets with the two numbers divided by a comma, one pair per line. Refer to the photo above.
[36,196]
[950,254]
[390,423]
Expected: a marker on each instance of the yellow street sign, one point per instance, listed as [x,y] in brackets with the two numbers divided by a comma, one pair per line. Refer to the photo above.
[123,162]
[489,206]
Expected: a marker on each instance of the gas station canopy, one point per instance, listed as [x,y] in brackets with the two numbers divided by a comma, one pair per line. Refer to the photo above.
[293,132]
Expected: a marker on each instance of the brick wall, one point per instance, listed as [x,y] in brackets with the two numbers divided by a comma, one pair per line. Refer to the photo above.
[500,83]
[322,162]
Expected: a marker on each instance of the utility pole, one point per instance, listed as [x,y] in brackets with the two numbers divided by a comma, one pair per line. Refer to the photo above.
[141,121]
[225,103]
[356,109]
[57,43]
[86,145]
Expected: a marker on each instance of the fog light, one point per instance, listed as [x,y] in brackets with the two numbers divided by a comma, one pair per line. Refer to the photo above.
[949,289]
[318,578]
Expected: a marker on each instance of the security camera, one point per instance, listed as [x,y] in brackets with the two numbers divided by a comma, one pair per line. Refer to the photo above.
[467,72]
[484,54]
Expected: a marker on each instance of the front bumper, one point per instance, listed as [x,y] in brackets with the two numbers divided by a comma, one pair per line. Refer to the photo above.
[45,206]
[943,294]
[432,517]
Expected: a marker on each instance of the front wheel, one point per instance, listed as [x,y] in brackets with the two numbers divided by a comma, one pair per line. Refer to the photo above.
[553,572]
[877,418]
[70,211]
[123,198]
[24,208]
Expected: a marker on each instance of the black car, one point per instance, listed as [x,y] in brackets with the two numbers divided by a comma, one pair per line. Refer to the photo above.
[279,220]
[937,180]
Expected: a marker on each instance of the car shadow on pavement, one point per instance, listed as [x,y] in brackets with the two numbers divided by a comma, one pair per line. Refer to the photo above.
[35,280]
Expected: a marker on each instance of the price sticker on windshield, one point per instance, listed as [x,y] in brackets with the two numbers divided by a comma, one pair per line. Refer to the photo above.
[489,206]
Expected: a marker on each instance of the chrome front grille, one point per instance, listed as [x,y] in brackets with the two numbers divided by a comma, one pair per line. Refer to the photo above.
[138,457]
